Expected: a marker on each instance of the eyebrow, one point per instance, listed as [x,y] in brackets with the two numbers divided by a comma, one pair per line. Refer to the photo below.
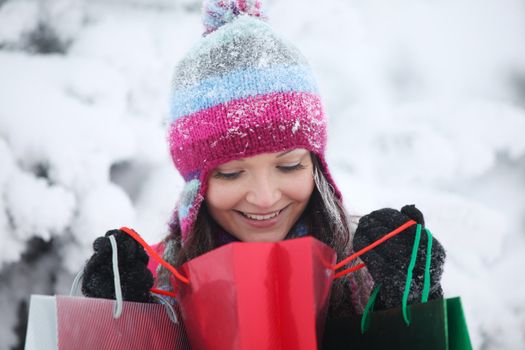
[284,153]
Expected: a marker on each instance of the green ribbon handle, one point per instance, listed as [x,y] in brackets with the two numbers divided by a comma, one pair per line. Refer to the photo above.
[426,281]
[411,265]
[408,281]
[365,319]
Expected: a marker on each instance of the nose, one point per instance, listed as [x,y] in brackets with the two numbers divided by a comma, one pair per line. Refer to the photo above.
[263,192]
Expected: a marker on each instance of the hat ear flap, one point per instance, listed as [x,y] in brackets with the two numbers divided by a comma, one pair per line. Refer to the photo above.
[190,202]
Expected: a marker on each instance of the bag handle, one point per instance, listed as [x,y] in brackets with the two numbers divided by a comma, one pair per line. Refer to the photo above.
[369,247]
[117,310]
[152,253]
[119,300]
[426,281]
[172,314]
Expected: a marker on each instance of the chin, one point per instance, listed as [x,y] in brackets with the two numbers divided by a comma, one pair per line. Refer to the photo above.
[263,237]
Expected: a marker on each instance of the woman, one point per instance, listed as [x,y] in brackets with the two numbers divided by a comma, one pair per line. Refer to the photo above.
[248,134]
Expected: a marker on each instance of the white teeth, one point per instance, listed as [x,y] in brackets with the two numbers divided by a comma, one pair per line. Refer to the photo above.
[261,217]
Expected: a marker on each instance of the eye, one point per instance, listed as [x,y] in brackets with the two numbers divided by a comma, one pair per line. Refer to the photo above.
[290,168]
[226,176]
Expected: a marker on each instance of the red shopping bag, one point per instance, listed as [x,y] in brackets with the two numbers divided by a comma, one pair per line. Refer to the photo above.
[258,295]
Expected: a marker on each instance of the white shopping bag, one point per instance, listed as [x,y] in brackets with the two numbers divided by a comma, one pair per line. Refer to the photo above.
[42,324]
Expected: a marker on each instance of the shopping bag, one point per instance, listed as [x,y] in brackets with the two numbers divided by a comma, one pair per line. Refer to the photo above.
[69,322]
[435,325]
[258,295]
[65,322]
[41,324]
[275,296]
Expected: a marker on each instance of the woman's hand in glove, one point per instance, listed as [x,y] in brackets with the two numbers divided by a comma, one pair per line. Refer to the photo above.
[388,262]
[135,278]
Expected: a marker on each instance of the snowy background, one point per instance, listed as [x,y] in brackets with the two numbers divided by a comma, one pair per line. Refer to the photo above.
[427,106]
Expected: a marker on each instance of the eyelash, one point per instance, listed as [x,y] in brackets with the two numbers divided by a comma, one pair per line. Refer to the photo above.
[232,176]
[288,169]
[227,176]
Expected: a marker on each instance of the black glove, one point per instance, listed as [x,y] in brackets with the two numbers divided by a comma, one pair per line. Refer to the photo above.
[388,262]
[135,277]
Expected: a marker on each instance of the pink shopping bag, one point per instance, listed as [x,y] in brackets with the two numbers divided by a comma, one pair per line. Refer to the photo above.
[86,323]
[67,322]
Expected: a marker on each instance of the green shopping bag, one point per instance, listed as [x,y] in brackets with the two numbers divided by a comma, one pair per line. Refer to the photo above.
[431,325]
[435,325]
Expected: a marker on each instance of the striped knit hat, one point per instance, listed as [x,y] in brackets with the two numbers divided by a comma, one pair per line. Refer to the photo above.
[241,91]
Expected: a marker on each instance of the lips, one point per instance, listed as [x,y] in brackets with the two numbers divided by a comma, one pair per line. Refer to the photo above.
[262,217]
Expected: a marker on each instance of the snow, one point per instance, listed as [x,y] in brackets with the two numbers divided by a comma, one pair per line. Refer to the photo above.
[425,107]
[15,19]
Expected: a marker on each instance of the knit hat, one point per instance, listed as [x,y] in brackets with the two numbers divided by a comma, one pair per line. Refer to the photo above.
[241,91]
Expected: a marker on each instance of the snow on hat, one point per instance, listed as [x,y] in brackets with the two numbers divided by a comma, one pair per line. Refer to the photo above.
[241,91]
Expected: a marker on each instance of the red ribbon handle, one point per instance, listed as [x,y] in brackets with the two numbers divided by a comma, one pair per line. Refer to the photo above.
[345,261]
[154,255]
[368,248]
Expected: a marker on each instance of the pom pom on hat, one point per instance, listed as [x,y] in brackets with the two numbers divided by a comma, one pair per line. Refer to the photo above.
[217,13]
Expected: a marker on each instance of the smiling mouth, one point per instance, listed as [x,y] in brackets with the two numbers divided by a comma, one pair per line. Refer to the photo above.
[259,217]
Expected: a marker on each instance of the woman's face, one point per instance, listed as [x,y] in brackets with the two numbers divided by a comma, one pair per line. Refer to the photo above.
[259,199]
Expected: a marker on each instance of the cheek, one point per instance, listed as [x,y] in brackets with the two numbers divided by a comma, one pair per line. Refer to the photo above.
[221,196]
[301,187]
